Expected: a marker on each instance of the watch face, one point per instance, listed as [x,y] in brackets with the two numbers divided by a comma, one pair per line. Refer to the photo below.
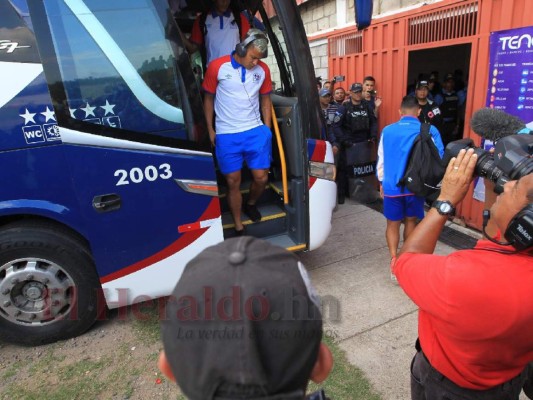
[445,207]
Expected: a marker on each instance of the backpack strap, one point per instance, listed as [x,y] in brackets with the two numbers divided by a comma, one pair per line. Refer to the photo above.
[424,129]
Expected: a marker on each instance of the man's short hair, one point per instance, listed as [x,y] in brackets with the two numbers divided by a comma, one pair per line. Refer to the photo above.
[244,321]
[409,103]
[369,78]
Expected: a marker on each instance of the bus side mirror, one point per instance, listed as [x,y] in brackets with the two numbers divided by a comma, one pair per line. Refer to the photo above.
[363,13]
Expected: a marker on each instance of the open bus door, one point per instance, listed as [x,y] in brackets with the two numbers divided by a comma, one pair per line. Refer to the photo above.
[112,183]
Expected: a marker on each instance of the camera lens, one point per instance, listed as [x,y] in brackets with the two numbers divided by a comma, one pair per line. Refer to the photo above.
[485,166]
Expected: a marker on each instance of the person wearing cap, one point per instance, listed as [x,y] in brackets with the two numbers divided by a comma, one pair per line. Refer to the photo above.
[359,124]
[429,111]
[218,31]
[237,89]
[370,94]
[448,102]
[399,204]
[332,114]
[244,322]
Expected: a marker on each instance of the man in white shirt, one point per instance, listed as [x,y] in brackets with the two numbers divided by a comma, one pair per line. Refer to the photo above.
[242,85]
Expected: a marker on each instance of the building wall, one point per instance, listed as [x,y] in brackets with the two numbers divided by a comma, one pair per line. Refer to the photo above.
[322,17]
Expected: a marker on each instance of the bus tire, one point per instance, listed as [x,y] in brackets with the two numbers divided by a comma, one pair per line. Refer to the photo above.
[49,288]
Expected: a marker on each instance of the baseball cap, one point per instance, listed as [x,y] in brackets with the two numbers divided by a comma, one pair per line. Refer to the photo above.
[422,84]
[243,320]
[324,92]
[449,77]
[356,87]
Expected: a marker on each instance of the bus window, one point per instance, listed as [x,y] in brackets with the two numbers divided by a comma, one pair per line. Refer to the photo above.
[17,43]
[117,67]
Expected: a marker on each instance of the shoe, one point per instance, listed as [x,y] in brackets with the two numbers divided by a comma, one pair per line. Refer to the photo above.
[242,232]
[392,276]
[341,199]
[252,212]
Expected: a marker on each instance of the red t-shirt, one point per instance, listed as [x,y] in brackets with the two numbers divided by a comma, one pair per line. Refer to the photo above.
[475,321]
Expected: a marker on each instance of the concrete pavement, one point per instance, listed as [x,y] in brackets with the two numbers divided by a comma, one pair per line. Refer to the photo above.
[375,322]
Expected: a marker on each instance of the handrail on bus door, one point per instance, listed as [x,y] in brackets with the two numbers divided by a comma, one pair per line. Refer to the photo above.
[281,156]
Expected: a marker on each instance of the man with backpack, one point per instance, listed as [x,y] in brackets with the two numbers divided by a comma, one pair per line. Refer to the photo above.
[217,31]
[400,204]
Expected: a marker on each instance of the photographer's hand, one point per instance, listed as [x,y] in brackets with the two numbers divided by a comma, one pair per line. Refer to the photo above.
[458,177]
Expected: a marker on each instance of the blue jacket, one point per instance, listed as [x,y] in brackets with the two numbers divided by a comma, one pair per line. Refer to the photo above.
[393,152]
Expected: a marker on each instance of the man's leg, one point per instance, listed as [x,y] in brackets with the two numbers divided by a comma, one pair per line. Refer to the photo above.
[235,198]
[256,190]
[258,185]
[392,234]
[409,226]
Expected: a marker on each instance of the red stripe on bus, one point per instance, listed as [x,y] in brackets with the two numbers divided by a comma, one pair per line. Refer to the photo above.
[212,211]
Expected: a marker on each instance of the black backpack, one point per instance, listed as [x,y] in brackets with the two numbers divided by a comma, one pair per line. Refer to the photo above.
[425,169]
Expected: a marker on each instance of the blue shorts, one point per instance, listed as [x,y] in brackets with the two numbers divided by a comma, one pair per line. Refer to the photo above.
[400,207]
[254,146]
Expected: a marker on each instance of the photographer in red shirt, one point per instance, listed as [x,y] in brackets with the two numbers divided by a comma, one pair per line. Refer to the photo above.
[475,321]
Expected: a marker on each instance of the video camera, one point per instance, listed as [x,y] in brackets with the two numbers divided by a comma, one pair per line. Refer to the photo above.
[511,160]
[373,93]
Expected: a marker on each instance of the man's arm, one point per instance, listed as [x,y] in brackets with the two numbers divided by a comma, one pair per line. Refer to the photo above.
[266,109]
[455,184]
[209,111]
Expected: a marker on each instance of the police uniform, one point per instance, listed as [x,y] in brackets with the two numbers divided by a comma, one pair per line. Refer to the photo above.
[358,124]
[430,114]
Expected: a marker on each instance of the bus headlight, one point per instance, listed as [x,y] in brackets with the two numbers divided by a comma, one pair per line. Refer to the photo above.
[322,170]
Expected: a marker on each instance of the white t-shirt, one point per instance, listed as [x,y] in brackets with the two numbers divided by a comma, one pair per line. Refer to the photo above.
[237,92]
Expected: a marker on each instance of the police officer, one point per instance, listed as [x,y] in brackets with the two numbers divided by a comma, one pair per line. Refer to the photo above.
[429,111]
[359,124]
[448,102]
[332,114]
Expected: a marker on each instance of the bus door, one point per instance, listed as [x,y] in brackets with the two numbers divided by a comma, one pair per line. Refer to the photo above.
[125,96]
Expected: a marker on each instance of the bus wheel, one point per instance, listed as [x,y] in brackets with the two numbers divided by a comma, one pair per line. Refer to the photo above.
[49,288]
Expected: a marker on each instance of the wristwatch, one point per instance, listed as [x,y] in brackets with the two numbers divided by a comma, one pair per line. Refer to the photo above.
[444,207]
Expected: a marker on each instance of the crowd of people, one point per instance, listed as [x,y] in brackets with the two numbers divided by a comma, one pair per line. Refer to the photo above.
[475,306]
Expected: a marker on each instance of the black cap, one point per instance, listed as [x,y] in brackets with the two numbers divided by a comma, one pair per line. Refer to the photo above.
[421,84]
[356,87]
[243,315]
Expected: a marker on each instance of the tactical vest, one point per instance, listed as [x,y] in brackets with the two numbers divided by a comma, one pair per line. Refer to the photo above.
[449,106]
[357,121]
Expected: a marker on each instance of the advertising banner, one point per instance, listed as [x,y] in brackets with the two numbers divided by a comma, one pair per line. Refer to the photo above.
[510,86]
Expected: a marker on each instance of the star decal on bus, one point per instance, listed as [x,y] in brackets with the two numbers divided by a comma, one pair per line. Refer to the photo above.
[88,110]
[108,108]
[49,114]
[28,117]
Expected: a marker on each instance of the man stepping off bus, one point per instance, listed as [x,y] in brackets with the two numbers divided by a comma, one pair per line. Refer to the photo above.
[237,90]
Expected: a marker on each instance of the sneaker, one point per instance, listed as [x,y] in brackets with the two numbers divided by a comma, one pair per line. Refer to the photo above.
[252,212]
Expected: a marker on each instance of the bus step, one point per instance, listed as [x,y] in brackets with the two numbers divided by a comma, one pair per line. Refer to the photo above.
[286,242]
[271,195]
[273,222]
